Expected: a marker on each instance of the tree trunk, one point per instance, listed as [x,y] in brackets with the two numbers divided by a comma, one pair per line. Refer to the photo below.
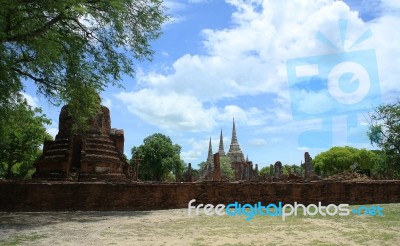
[9,171]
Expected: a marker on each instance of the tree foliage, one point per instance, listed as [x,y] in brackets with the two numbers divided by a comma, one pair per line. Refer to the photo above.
[286,170]
[72,49]
[22,133]
[226,168]
[202,168]
[159,158]
[384,132]
[341,159]
[227,172]
[264,171]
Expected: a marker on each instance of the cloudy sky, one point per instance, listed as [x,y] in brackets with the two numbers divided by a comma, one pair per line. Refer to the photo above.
[297,75]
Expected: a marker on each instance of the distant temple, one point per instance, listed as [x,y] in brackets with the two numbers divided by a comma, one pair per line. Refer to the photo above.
[242,168]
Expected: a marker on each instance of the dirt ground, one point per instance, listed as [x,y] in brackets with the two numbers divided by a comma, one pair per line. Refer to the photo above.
[176,227]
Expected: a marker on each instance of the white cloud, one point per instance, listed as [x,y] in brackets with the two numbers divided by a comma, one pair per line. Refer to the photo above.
[258,142]
[293,126]
[311,102]
[32,101]
[169,110]
[175,111]
[53,131]
[249,117]
[386,39]
[199,148]
[174,6]
[175,19]
[391,5]
[250,59]
[107,102]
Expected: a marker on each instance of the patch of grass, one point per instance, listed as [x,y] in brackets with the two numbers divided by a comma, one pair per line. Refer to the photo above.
[19,239]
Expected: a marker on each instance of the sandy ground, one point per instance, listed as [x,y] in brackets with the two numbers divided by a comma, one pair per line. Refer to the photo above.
[175,227]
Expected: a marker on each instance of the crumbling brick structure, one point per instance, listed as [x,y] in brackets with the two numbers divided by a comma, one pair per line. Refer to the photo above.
[96,154]
[245,171]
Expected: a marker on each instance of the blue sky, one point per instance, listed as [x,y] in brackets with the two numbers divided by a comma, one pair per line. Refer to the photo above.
[260,62]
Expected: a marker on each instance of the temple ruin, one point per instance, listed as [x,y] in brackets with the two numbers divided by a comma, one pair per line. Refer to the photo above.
[96,154]
[243,169]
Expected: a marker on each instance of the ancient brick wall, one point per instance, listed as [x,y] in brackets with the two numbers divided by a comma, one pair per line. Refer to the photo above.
[44,196]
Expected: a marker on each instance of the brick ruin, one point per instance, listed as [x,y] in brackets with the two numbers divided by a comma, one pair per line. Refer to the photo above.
[308,167]
[245,171]
[96,154]
[95,196]
[278,169]
[304,173]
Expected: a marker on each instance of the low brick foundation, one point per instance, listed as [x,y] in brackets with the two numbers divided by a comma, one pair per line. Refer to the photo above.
[47,196]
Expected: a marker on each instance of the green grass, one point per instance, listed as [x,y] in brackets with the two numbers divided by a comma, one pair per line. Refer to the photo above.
[22,239]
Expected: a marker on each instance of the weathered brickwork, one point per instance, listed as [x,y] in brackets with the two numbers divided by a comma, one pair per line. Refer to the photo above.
[45,196]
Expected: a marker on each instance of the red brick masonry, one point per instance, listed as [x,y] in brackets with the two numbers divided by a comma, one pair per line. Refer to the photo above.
[47,196]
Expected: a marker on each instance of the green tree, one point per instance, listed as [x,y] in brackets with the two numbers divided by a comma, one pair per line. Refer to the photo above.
[72,49]
[340,159]
[202,168]
[196,174]
[286,169]
[160,158]
[381,169]
[226,168]
[264,171]
[291,168]
[22,133]
[384,132]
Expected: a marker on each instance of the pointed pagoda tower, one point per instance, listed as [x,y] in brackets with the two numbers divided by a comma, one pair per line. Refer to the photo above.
[209,168]
[210,157]
[221,150]
[235,153]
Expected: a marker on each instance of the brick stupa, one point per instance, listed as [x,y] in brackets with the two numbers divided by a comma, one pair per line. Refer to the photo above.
[96,154]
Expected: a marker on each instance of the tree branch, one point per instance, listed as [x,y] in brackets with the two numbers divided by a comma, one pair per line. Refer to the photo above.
[38,80]
[37,32]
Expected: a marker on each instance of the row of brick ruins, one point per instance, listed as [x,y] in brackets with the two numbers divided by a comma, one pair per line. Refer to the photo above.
[306,171]
[244,169]
[98,154]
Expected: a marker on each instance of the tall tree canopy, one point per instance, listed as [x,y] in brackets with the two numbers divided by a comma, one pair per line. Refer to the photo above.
[22,133]
[384,132]
[72,49]
[159,158]
[341,159]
